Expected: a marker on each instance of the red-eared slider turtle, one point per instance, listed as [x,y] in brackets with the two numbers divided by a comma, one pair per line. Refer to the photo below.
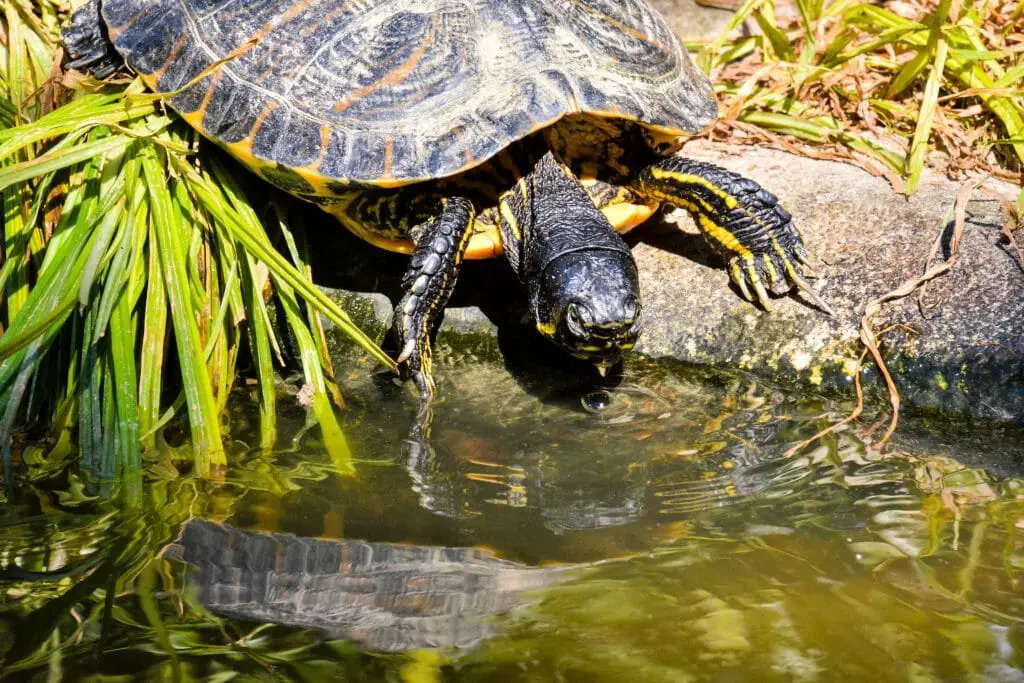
[454,129]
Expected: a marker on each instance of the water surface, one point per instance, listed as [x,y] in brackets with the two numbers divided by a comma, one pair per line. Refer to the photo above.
[666,537]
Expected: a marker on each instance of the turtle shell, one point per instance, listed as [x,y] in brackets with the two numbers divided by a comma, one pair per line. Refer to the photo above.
[320,95]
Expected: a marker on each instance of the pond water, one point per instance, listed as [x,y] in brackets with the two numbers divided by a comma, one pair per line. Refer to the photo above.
[665,537]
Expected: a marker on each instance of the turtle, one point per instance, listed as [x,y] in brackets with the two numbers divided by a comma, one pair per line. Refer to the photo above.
[463,129]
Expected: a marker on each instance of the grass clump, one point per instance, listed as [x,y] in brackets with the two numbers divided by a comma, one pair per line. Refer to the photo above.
[135,274]
[894,86]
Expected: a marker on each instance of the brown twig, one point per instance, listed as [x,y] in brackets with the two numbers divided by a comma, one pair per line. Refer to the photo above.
[867,334]
[1013,223]
[846,420]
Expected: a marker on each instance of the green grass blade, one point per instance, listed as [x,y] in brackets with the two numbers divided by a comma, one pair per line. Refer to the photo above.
[154,343]
[919,145]
[779,41]
[62,159]
[125,383]
[334,438]
[75,118]
[209,448]
[16,229]
[255,242]
[258,330]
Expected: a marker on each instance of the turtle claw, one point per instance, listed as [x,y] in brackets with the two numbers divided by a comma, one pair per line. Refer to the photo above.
[414,360]
[806,290]
[762,294]
[780,273]
[740,281]
[414,357]
[746,277]
[407,351]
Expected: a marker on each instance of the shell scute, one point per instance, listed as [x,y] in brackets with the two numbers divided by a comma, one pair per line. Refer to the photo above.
[397,91]
[240,117]
[270,131]
[152,30]
[192,98]
[301,144]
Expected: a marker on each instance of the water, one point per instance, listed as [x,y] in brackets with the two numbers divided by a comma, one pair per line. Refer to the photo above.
[664,537]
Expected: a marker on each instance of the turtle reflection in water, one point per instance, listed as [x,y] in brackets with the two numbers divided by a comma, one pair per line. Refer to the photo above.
[463,129]
[387,597]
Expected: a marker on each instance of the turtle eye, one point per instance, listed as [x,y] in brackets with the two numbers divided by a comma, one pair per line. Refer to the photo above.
[574,321]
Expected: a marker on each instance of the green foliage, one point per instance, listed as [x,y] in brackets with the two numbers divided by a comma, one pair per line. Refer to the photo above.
[135,274]
[885,84]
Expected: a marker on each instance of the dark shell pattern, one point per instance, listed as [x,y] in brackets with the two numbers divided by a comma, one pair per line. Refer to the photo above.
[391,92]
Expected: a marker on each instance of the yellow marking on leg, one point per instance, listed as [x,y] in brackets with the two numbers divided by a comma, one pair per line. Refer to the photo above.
[770,267]
[682,202]
[790,270]
[508,217]
[661,174]
[723,237]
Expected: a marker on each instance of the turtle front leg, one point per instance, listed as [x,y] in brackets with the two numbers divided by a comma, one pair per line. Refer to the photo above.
[742,222]
[428,284]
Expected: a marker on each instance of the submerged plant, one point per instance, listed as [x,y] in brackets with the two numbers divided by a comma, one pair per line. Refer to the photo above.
[135,274]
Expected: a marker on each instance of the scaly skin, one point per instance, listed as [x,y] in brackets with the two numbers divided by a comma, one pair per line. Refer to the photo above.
[579,275]
[743,223]
[428,284]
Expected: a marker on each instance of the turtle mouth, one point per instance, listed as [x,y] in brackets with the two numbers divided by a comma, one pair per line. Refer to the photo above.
[603,344]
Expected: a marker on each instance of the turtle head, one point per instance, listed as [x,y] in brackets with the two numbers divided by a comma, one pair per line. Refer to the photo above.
[588,302]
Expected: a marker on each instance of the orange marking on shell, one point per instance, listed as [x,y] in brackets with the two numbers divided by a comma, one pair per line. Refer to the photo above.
[175,52]
[484,245]
[625,28]
[328,18]
[325,141]
[114,31]
[626,216]
[272,25]
[393,77]
[201,112]
[267,110]
[467,153]
[389,151]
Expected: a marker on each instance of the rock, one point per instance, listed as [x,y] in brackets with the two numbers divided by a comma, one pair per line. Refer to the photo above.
[690,21]
[965,354]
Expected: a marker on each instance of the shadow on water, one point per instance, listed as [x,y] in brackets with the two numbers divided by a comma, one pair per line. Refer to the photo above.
[663,538]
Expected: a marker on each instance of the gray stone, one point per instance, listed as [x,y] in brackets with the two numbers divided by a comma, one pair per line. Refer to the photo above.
[690,21]
[965,354]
